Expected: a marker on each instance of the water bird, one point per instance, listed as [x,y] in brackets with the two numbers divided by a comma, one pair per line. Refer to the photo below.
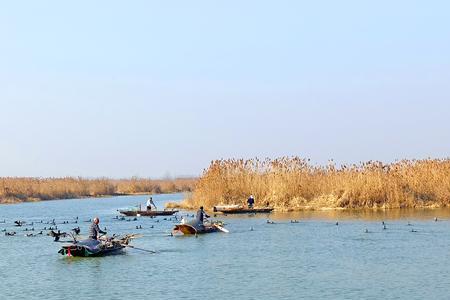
[11,233]
[384,227]
[435,219]
[413,230]
[57,235]
[409,224]
[294,221]
[337,223]
[367,230]
[76,230]
[19,223]
[251,228]
[270,222]
[382,222]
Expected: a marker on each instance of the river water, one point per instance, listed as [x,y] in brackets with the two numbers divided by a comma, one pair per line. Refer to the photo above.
[312,259]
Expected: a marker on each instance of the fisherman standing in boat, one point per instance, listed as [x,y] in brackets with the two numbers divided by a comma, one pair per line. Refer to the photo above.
[150,203]
[250,201]
[95,230]
[201,215]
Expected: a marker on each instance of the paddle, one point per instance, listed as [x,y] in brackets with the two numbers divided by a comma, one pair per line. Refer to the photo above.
[149,251]
[221,228]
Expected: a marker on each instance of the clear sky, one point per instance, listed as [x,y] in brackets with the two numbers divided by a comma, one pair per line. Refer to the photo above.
[157,88]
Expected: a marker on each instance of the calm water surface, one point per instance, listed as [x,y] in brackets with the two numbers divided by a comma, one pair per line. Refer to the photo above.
[314,258]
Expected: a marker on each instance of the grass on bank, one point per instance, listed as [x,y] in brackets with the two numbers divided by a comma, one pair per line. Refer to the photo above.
[294,184]
[16,189]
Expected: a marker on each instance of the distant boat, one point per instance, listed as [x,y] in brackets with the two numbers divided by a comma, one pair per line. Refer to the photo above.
[239,209]
[147,213]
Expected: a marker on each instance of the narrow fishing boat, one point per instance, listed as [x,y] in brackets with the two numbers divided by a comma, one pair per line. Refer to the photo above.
[147,213]
[189,229]
[239,209]
[90,247]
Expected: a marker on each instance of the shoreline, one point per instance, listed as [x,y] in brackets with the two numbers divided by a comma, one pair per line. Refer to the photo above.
[29,200]
[320,209]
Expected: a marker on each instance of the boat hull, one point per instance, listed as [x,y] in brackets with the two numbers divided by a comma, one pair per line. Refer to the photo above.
[265,210]
[189,229]
[147,213]
[91,248]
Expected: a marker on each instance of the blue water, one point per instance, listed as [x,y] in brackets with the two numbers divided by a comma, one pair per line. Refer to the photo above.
[312,259]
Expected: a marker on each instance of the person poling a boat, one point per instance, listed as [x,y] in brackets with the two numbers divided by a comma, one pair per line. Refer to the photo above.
[150,203]
[251,201]
[95,230]
[200,217]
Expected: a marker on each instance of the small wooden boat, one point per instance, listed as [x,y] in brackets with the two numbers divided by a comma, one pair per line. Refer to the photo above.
[147,213]
[90,247]
[188,229]
[238,209]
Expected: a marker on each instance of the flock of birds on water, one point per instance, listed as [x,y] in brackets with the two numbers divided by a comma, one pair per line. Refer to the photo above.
[53,227]
[50,227]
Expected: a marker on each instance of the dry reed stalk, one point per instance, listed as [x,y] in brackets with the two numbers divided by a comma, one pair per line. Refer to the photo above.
[293,183]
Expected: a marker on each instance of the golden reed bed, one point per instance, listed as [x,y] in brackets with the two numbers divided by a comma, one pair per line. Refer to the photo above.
[15,189]
[295,184]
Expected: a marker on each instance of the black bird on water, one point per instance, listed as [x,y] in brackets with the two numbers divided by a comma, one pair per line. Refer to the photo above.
[76,230]
[57,235]
[19,223]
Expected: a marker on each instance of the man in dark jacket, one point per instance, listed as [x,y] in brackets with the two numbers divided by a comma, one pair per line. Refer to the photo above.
[95,230]
[251,201]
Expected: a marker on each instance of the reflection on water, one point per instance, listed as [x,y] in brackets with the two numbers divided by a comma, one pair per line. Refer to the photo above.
[326,255]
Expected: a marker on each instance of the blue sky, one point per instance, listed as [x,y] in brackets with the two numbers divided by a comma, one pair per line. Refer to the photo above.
[157,88]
